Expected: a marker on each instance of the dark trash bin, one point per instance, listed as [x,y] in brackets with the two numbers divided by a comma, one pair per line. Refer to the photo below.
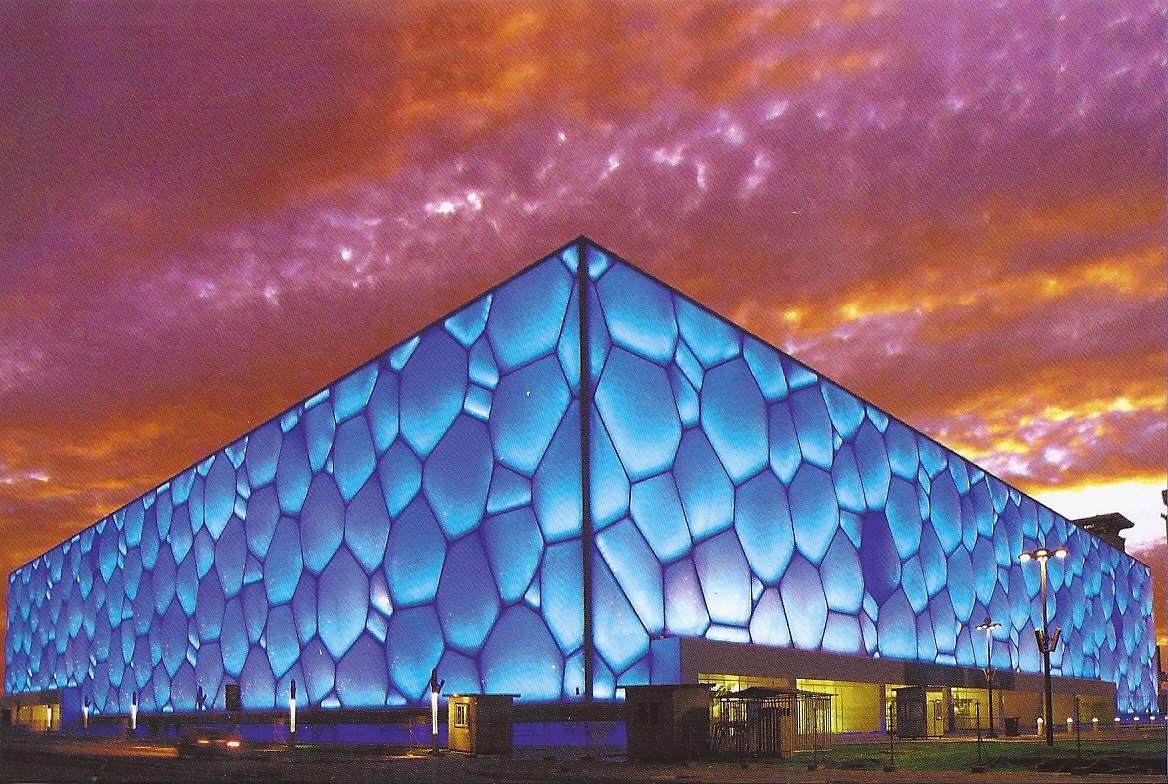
[1011,723]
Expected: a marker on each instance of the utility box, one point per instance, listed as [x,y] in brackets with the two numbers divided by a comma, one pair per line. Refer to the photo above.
[481,723]
[667,723]
[911,713]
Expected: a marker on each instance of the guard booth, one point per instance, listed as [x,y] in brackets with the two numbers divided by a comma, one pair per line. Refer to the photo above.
[912,712]
[40,711]
[772,722]
[481,723]
[667,723]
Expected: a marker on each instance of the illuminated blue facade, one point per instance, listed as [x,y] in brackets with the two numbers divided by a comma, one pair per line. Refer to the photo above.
[426,511]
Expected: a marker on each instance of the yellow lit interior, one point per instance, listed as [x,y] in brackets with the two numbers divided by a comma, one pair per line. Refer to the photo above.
[856,706]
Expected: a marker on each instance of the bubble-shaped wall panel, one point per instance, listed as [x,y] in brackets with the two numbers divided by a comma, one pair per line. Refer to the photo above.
[859,534]
[425,511]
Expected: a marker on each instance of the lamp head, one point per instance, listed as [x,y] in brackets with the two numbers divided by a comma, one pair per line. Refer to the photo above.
[987,625]
[1042,554]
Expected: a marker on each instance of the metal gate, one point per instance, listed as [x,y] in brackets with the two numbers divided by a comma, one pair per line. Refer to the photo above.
[771,722]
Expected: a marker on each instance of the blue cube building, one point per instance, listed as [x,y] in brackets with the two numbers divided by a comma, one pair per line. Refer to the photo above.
[579,481]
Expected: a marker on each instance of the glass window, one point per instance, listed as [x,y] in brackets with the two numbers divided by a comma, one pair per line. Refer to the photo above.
[856,706]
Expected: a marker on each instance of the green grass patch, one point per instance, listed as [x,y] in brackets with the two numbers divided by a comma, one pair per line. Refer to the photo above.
[1119,756]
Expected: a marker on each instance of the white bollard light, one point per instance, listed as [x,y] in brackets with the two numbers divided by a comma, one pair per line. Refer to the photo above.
[134,712]
[1095,724]
[435,688]
[49,726]
[292,708]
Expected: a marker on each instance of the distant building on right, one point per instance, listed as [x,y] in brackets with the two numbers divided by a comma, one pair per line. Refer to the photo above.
[1107,527]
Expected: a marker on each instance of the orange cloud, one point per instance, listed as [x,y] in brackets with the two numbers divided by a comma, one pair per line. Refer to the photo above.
[207,227]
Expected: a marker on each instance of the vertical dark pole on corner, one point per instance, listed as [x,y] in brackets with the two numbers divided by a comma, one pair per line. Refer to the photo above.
[891,766]
[585,463]
[990,687]
[980,766]
[1078,732]
[1046,654]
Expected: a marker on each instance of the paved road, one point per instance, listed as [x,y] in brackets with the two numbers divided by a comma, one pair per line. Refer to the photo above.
[36,759]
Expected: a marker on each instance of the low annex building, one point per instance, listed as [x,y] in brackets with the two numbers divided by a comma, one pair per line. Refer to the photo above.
[579,481]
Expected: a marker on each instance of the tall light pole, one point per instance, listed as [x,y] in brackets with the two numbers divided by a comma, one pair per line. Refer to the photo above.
[1046,641]
[989,668]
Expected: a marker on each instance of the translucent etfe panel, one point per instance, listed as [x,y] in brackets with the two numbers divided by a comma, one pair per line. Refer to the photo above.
[528,313]
[637,572]
[639,313]
[433,386]
[424,511]
[527,406]
[637,407]
[457,476]
[853,494]
[521,657]
[733,414]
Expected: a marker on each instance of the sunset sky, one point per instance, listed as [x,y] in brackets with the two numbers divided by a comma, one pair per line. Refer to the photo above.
[209,211]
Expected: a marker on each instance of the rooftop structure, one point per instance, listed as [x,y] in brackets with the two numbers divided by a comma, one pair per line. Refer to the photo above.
[1107,527]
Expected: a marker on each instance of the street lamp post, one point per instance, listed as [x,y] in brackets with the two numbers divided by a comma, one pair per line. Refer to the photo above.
[1046,641]
[988,628]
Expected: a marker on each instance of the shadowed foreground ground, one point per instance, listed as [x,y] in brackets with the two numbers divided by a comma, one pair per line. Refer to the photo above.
[35,758]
